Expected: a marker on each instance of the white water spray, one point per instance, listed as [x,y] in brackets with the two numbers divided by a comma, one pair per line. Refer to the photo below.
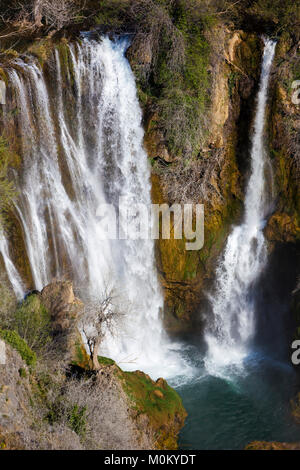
[80,149]
[245,254]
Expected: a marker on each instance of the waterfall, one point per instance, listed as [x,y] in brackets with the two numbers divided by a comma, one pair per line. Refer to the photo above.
[229,334]
[82,145]
[12,273]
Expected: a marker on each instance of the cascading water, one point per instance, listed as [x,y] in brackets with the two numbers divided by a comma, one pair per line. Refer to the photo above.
[12,273]
[245,254]
[82,148]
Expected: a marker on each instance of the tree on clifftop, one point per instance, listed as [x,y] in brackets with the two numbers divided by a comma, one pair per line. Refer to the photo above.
[100,316]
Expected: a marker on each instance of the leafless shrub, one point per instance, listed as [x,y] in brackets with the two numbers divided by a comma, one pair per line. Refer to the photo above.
[30,16]
[108,421]
[100,315]
[189,181]
[57,13]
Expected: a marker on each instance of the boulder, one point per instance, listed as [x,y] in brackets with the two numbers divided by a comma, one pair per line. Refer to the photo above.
[60,301]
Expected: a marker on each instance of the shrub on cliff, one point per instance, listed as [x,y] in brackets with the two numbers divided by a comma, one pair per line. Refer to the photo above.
[16,342]
[32,322]
[170,57]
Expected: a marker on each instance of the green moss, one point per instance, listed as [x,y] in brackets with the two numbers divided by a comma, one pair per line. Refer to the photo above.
[41,50]
[81,357]
[191,266]
[159,402]
[67,69]
[14,340]
[105,361]
[141,391]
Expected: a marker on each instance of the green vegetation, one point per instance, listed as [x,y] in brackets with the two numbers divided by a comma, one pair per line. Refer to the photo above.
[150,398]
[77,419]
[157,401]
[170,57]
[171,49]
[16,342]
[26,327]
[105,361]
[22,373]
[184,96]
[276,16]
[32,322]
[112,14]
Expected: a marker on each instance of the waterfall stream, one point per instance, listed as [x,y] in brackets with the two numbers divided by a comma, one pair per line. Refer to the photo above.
[229,333]
[82,145]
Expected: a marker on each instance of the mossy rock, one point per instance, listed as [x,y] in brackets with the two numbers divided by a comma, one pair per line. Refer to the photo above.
[159,402]
[156,402]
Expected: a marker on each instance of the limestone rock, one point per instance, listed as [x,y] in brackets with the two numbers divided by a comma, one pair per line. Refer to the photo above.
[64,308]
[158,394]
[59,299]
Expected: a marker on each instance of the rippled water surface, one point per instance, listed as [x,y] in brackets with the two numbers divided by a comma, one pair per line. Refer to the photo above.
[239,404]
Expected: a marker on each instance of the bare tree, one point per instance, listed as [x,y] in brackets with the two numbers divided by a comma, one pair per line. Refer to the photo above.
[100,316]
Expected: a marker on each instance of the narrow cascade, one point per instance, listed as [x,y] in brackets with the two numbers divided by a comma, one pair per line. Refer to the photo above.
[12,272]
[233,325]
[82,145]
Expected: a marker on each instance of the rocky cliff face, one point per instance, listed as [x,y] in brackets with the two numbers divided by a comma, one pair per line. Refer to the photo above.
[283,228]
[62,404]
[214,177]
[284,118]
